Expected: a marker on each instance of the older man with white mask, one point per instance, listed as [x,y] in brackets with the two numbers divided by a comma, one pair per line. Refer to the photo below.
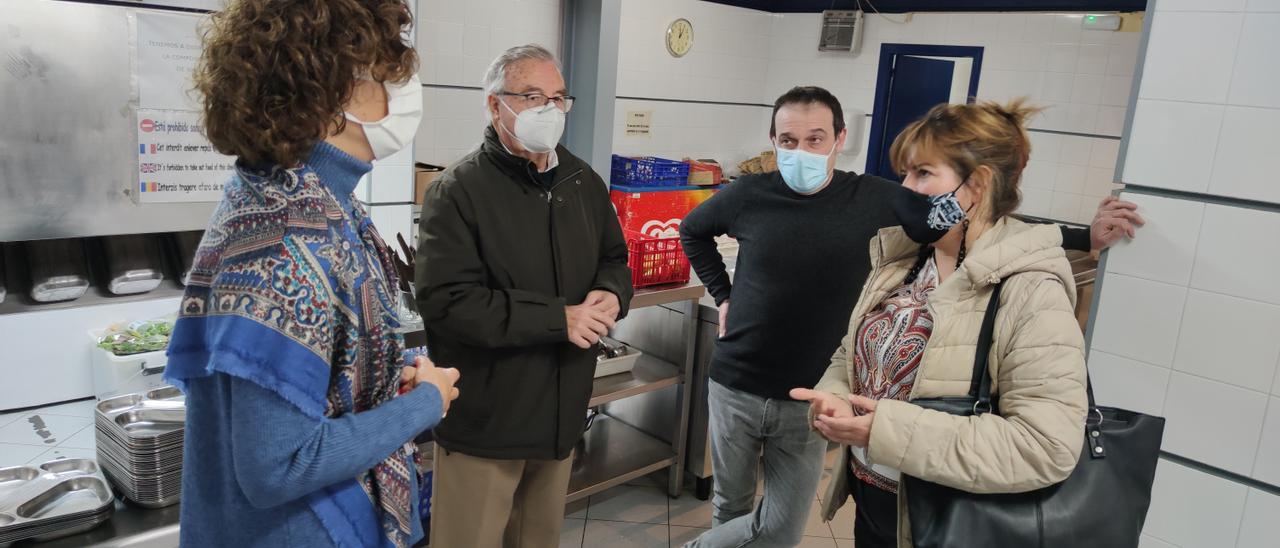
[522,267]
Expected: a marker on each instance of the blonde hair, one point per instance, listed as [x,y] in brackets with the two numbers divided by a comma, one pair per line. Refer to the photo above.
[969,137]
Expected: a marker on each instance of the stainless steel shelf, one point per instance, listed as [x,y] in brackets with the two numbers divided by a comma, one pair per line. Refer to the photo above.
[648,375]
[17,304]
[615,454]
[667,294]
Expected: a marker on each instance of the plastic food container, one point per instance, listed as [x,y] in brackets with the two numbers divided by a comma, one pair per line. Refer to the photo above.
[114,375]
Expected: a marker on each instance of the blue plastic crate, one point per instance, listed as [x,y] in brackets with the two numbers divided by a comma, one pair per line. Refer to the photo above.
[648,171]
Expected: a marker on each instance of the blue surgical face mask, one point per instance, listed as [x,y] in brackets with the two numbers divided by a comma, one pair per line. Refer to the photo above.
[805,172]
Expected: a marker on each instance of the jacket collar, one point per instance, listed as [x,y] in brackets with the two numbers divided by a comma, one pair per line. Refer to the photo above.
[1009,247]
[495,150]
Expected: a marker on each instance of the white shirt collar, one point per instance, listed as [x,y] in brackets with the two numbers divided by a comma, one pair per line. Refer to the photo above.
[553,161]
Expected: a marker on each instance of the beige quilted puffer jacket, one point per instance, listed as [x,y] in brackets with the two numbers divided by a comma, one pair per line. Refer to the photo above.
[1037,368]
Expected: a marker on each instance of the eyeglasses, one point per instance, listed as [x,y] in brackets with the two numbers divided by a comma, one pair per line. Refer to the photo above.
[538,100]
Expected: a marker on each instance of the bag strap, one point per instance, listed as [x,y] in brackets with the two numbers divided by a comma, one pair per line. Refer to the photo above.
[980,382]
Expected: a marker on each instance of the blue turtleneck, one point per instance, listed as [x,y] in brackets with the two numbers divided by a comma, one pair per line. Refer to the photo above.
[340,172]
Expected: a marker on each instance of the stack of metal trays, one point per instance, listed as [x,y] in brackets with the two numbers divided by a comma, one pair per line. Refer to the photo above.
[56,499]
[140,444]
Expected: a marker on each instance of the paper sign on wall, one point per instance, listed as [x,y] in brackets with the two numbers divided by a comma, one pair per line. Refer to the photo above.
[176,163]
[168,49]
[639,123]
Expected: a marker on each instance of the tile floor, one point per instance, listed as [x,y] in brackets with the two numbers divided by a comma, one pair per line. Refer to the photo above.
[641,515]
[61,431]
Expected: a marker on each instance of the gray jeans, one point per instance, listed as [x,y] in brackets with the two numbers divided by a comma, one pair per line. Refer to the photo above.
[748,431]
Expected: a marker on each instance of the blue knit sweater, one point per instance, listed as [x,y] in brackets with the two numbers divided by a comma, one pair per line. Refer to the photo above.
[251,459]
[286,349]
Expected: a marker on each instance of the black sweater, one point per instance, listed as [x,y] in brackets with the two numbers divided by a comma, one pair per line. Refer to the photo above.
[802,261]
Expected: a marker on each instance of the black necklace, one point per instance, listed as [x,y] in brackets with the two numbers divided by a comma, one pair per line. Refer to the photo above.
[927,252]
[960,256]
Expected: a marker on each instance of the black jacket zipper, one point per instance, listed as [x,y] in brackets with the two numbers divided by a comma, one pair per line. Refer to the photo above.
[551,226]
[555,264]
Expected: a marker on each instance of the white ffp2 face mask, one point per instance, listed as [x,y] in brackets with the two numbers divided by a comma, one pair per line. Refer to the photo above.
[537,129]
[396,130]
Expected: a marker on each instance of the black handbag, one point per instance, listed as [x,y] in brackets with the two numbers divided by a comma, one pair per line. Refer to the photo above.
[1102,504]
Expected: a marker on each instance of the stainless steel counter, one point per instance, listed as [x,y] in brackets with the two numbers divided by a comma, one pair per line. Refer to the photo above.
[130,527]
[618,447]
[667,294]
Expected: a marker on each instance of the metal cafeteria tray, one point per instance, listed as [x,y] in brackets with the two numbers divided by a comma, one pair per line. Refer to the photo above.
[154,417]
[140,444]
[57,498]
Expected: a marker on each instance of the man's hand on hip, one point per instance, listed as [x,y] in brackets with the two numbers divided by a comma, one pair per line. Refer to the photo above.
[724,318]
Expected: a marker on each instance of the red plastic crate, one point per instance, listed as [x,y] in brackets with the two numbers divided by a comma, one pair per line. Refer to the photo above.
[656,261]
[704,173]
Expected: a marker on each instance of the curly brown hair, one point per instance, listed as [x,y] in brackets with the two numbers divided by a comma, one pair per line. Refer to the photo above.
[985,135]
[275,74]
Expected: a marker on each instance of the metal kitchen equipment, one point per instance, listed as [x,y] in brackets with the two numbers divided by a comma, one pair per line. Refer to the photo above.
[71,123]
[58,270]
[58,498]
[183,246]
[617,449]
[133,263]
[140,442]
[615,358]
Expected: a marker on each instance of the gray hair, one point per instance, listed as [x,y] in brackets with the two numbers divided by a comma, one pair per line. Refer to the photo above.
[495,78]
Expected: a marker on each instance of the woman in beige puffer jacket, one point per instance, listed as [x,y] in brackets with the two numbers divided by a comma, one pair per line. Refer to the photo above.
[914,332]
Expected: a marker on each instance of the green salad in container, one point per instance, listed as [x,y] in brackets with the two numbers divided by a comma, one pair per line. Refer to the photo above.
[137,337]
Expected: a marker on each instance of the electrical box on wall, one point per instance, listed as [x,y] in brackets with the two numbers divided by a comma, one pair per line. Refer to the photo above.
[1101,22]
[841,31]
[855,124]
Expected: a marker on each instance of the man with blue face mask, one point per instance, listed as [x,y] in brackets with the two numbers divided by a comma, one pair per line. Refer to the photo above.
[522,267]
[802,260]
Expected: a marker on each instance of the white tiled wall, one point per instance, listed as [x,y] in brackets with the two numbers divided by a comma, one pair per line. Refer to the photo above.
[1259,528]
[1207,107]
[1267,466]
[1187,304]
[728,134]
[453,122]
[1192,509]
[1213,422]
[456,42]
[458,38]
[1083,77]
[727,64]
[1189,312]
[728,61]
[747,56]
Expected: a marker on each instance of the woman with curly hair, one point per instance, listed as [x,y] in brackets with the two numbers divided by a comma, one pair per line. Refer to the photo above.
[300,409]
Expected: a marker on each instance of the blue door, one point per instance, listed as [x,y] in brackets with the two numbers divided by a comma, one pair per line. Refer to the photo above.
[916,85]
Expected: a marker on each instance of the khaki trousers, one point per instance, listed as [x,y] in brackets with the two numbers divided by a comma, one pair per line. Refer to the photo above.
[488,503]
